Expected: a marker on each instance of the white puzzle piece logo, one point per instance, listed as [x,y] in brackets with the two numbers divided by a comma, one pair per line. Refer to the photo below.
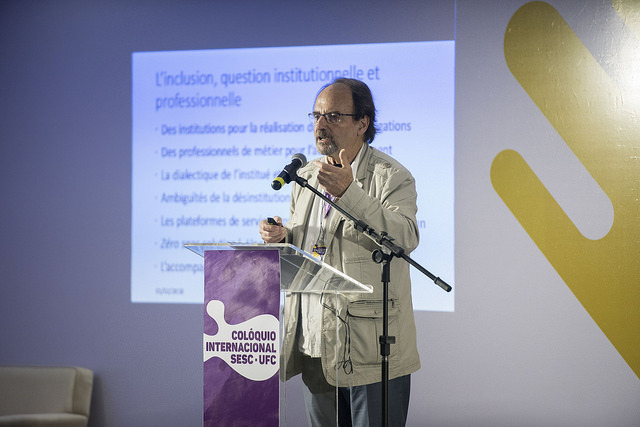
[251,348]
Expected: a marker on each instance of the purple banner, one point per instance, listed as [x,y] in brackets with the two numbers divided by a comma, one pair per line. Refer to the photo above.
[241,337]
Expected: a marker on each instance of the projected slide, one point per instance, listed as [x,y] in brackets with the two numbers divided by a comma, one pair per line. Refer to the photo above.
[212,128]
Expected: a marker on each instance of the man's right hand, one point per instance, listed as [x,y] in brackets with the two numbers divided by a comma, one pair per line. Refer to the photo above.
[272,233]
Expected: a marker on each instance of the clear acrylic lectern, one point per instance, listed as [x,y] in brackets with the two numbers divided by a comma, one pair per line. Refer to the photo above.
[300,273]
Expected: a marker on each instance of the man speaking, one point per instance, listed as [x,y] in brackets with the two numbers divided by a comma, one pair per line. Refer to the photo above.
[373,187]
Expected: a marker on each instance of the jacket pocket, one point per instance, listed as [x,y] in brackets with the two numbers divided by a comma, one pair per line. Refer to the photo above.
[364,318]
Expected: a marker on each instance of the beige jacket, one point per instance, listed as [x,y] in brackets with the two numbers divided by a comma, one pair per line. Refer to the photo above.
[383,195]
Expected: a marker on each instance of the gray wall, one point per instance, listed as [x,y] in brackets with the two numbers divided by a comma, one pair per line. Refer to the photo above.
[520,349]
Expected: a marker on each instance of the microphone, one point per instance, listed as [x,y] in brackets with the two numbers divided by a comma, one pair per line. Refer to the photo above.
[289,172]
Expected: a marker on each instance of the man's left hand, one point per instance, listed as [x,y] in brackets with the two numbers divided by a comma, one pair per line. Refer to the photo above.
[335,179]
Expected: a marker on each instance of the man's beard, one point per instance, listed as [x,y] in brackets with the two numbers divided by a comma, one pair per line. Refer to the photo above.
[328,147]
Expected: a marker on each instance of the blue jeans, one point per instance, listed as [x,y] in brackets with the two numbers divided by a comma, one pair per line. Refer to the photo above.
[359,406]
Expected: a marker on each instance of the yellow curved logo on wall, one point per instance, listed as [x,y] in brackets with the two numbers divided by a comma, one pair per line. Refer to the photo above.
[597,116]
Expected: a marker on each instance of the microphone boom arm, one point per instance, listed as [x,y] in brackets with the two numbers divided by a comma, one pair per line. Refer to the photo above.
[383,239]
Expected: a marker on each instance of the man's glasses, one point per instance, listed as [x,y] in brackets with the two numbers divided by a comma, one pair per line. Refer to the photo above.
[331,118]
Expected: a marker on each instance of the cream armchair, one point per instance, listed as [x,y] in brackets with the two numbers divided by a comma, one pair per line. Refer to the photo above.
[45,396]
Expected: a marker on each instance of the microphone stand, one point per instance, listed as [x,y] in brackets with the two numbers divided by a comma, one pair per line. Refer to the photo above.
[380,256]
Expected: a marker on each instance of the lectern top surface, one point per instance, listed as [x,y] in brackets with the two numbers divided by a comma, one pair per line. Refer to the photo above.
[299,270]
